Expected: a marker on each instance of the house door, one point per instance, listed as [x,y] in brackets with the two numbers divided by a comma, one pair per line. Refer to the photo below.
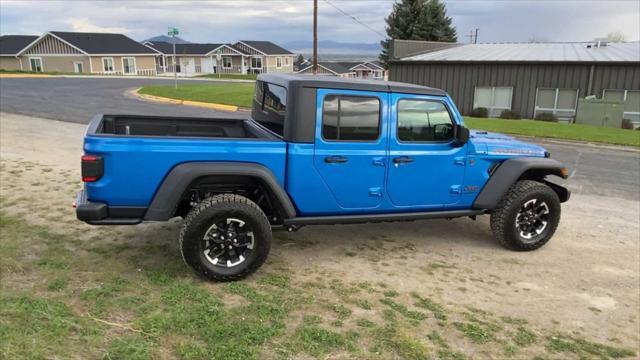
[77,67]
[188,65]
[206,65]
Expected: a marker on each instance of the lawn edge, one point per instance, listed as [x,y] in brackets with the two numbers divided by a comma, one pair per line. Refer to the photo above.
[161,99]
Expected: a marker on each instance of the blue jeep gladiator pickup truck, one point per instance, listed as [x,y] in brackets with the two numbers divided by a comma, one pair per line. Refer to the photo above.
[316,150]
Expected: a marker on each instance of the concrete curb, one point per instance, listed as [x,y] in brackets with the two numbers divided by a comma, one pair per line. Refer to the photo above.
[164,100]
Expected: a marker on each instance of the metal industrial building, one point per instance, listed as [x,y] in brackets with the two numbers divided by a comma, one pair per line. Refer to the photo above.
[527,78]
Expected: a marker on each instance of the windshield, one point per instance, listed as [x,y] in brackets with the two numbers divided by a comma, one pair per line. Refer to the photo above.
[269,106]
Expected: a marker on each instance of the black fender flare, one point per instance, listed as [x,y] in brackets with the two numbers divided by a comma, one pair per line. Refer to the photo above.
[174,185]
[511,170]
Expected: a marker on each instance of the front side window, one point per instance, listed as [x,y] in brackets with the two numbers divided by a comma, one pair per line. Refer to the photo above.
[278,62]
[286,61]
[107,64]
[226,62]
[423,120]
[350,118]
[256,63]
[36,64]
[493,98]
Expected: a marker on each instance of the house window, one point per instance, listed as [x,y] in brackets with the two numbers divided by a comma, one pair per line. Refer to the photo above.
[350,118]
[631,100]
[560,102]
[226,62]
[107,65]
[494,98]
[278,62]
[36,64]
[129,65]
[78,67]
[286,61]
[423,120]
[256,63]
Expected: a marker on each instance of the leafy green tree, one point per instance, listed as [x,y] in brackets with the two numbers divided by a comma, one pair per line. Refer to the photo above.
[425,20]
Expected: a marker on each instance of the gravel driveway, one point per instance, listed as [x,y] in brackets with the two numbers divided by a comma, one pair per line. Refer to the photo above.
[584,282]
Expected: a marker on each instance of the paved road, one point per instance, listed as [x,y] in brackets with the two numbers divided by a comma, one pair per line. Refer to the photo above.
[79,99]
[596,170]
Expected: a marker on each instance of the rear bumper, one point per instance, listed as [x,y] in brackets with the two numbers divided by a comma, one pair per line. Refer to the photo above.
[98,213]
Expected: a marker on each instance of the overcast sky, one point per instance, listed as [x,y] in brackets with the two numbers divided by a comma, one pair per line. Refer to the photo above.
[285,21]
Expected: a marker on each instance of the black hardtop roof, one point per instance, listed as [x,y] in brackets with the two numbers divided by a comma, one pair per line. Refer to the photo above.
[334,82]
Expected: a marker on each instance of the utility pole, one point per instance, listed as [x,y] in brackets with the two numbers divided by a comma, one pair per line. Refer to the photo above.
[173,32]
[315,37]
[475,37]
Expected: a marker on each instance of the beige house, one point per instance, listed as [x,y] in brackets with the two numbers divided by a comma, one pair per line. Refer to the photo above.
[243,57]
[196,59]
[359,70]
[73,52]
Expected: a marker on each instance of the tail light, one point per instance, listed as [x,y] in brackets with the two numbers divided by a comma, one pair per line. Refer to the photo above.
[92,168]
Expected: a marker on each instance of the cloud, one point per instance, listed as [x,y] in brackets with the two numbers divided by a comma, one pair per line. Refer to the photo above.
[287,21]
[82,25]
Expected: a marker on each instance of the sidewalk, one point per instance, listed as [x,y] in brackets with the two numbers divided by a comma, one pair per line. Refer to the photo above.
[29,75]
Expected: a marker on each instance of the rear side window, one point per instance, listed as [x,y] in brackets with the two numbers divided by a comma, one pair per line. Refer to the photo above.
[423,120]
[269,106]
[350,118]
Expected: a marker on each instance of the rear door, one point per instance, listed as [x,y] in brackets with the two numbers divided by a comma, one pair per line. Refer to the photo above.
[426,168]
[350,149]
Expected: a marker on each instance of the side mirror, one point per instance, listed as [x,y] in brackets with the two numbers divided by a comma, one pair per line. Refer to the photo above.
[461,135]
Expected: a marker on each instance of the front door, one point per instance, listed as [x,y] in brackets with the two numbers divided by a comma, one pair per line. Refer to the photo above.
[350,148]
[77,67]
[426,169]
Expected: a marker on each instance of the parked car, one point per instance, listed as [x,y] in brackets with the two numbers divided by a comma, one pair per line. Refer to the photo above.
[316,150]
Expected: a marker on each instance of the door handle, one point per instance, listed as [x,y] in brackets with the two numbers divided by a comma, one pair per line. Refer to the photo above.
[335,160]
[402,160]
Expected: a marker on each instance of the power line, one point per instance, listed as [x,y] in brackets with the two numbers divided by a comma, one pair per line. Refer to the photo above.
[355,19]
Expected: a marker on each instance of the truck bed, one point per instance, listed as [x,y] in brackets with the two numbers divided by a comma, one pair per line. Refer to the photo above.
[139,151]
[139,125]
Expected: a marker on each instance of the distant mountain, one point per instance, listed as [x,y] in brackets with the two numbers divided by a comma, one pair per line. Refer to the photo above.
[333,47]
[168,39]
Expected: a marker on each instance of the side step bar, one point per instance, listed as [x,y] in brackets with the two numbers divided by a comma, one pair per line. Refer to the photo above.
[358,219]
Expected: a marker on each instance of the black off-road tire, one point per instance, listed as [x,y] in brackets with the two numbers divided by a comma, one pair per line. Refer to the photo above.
[503,217]
[214,209]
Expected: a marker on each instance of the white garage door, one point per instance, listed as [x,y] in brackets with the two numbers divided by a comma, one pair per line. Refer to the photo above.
[206,65]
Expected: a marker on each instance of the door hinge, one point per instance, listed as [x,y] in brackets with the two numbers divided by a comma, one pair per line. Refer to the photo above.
[456,189]
[460,160]
[378,161]
[375,191]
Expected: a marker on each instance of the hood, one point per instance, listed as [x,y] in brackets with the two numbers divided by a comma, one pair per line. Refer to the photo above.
[501,145]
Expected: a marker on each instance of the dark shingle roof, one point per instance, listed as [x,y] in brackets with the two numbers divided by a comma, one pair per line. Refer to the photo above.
[336,67]
[183,49]
[102,43]
[267,47]
[12,44]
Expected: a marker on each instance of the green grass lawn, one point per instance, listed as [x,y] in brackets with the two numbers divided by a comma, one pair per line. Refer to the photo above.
[238,94]
[557,130]
[230,76]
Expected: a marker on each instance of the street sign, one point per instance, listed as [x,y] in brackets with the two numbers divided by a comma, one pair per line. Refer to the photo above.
[172,31]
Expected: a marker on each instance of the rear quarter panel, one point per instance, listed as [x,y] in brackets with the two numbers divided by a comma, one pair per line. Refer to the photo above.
[135,167]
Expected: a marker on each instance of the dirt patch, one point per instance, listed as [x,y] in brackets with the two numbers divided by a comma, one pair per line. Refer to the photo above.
[585,282]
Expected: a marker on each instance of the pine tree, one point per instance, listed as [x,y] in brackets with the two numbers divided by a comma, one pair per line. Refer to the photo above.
[425,20]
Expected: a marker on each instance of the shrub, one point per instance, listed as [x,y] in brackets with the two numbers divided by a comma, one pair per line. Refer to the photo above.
[547,117]
[508,114]
[627,124]
[480,112]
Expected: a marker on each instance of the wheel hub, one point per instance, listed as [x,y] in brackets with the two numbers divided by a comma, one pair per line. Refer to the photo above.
[228,242]
[532,219]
